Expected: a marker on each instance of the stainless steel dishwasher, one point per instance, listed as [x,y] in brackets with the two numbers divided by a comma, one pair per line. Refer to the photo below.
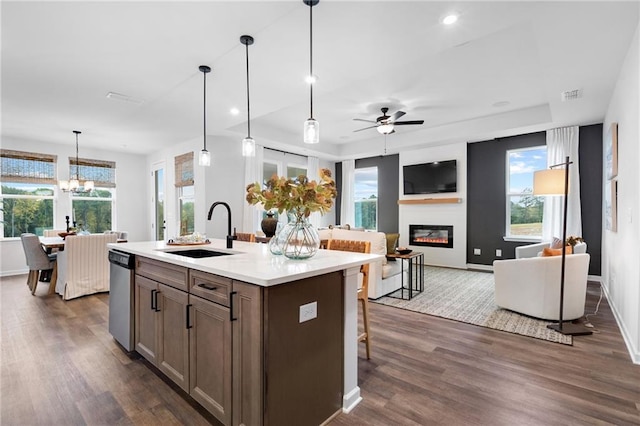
[121,297]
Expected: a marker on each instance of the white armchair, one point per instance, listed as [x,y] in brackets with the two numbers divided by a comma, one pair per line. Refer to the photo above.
[531,286]
[83,265]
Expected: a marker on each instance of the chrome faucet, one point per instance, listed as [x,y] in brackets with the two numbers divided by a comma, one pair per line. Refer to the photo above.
[229,236]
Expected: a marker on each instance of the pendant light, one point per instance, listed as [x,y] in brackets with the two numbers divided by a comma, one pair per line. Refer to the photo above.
[311,126]
[205,156]
[73,185]
[248,144]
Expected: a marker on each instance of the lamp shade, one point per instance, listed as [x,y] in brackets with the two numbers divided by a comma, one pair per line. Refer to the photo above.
[311,131]
[549,182]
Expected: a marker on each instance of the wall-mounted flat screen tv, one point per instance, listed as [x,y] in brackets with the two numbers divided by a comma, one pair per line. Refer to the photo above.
[430,178]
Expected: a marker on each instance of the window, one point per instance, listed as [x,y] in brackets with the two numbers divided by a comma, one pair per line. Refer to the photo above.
[295,171]
[27,194]
[366,198]
[93,211]
[524,210]
[184,182]
[268,170]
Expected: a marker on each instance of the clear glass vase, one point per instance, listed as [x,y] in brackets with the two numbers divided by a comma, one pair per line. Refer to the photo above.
[298,239]
[274,245]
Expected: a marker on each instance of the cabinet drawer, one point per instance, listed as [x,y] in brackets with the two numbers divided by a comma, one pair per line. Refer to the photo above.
[209,286]
[166,273]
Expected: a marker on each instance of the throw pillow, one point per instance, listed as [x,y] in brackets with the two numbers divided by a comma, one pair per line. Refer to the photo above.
[392,243]
[548,251]
[556,243]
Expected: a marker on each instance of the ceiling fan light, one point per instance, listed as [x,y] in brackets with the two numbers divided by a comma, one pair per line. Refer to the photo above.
[385,129]
[248,147]
[311,131]
[205,158]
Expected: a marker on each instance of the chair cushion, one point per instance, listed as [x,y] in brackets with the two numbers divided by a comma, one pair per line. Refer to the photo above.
[548,251]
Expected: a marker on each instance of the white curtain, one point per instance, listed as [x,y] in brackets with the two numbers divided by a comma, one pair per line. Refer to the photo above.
[313,173]
[347,200]
[561,143]
[252,215]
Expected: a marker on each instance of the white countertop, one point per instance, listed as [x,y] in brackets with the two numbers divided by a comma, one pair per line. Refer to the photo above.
[251,262]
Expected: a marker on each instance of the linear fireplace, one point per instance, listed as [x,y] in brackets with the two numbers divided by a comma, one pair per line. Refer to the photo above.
[431,235]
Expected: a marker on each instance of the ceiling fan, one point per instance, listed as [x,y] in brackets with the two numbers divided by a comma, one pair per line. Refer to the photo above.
[385,123]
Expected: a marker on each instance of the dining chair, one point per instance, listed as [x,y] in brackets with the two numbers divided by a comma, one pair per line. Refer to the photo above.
[52,232]
[83,266]
[38,260]
[363,289]
[245,236]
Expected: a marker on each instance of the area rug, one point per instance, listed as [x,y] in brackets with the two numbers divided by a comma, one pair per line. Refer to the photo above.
[467,296]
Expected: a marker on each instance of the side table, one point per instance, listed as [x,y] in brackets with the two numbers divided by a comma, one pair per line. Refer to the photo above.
[415,274]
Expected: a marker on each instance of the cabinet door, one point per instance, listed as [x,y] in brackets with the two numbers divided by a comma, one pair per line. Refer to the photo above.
[173,335]
[210,357]
[247,354]
[145,334]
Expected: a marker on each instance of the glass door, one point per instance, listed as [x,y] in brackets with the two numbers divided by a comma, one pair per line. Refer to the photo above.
[159,222]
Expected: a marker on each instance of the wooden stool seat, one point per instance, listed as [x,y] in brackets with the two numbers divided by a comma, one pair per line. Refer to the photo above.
[363,291]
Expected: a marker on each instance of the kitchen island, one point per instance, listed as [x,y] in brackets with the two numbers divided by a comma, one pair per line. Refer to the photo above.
[254,338]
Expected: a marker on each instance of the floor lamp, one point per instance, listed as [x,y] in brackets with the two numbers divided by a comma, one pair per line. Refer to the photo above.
[555,181]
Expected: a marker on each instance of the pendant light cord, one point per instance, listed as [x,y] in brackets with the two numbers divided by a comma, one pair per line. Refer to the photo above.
[311,57]
[204,121]
[77,160]
[248,103]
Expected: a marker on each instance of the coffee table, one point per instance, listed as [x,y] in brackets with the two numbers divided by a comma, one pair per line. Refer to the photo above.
[415,274]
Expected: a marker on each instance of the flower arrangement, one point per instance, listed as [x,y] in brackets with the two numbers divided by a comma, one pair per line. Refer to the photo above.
[299,196]
[573,240]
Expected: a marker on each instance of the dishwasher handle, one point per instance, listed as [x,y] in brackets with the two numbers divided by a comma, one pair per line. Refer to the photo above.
[122,259]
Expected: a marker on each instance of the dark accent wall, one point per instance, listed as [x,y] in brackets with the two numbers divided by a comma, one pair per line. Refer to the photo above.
[388,175]
[486,206]
[591,193]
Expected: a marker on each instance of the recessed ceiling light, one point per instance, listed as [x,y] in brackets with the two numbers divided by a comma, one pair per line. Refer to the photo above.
[450,19]
[310,79]
[234,111]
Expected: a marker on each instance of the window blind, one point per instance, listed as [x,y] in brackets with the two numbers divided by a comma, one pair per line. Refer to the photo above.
[102,173]
[184,170]
[27,167]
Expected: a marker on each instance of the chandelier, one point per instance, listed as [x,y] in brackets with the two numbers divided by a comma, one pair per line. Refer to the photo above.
[73,185]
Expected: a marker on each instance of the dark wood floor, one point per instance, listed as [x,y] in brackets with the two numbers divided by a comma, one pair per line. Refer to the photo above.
[60,366]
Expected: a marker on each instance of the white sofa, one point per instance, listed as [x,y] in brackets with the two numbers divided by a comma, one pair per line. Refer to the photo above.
[532,250]
[531,286]
[384,276]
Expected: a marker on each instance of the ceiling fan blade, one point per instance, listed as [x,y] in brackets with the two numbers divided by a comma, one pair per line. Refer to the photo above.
[366,121]
[400,123]
[370,127]
[396,115]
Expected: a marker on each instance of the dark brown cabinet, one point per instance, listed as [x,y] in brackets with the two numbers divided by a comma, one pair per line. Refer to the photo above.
[241,350]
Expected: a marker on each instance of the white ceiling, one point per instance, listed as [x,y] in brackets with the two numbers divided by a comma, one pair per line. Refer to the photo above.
[60,59]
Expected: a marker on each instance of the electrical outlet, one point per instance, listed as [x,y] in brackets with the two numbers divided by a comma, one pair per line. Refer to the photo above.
[476,251]
[498,253]
[308,311]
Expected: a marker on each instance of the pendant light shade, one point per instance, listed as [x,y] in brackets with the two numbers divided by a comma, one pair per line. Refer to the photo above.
[205,156]
[248,144]
[311,126]
[73,184]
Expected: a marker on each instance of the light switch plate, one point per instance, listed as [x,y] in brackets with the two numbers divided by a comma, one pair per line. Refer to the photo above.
[308,311]
[476,251]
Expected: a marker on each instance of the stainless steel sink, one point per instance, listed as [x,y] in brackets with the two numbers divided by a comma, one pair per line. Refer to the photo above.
[198,253]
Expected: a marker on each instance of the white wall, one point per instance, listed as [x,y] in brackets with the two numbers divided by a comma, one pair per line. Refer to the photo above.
[437,214]
[621,249]
[129,201]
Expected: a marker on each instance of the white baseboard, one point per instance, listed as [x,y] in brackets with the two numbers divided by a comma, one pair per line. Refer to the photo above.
[14,272]
[350,400]
[634,352]
[488,268]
